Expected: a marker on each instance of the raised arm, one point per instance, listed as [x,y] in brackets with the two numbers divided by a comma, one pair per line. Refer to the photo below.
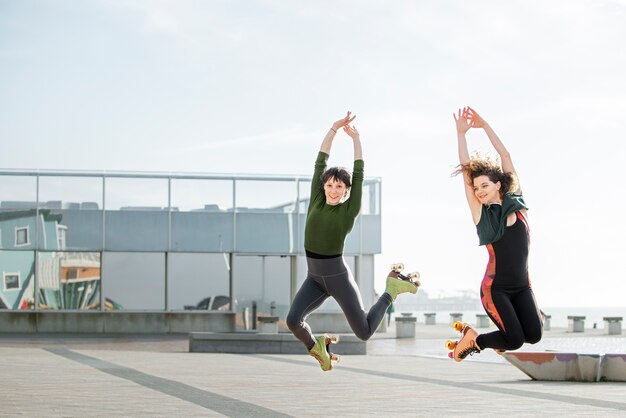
[462,126]
[476,121]
[356,139]
[330,135]
[356,191]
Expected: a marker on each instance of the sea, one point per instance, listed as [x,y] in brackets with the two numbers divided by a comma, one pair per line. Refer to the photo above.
[558,315]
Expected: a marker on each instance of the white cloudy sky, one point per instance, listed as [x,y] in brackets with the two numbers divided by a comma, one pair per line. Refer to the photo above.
[252,86]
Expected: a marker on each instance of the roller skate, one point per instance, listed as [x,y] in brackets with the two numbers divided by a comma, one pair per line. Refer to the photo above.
[398,283]
[466,346]
[321,351]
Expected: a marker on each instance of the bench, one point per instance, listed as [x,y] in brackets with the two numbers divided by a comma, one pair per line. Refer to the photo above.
[268,324]
[456,316]
[405,326]
[482,321]
[613,325]
[546,322]
[430,318]
[576,323]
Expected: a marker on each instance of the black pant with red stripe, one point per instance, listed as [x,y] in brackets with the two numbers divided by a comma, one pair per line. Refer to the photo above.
[515,313]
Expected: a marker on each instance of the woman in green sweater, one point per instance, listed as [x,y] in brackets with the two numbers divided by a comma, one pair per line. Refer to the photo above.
[330,218]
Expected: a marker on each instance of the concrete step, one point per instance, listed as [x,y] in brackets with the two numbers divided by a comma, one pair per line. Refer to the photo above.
[259,343]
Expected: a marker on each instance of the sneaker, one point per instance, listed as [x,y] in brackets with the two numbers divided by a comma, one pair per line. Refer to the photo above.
[320,352]
[466,345]
[396,286]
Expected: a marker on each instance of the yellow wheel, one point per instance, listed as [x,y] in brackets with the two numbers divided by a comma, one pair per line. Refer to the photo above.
[450,345]
[457,326]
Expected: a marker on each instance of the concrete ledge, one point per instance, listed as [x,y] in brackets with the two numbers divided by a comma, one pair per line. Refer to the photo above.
[576,323]
[456,316]
[614,368]
[482,321]
[268,324]
[184,322]
[405,326]
[116,322]
[570,366]
[257,343]
[430,318]
[332,322]
[613,325]
[546,322]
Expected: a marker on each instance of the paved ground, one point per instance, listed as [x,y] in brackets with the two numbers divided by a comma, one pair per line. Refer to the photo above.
[156,376]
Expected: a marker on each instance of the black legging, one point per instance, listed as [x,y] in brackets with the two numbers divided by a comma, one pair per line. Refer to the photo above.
[516,316]
[331,277]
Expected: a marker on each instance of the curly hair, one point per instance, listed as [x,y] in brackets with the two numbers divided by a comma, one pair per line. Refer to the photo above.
[484,166]
[339,174]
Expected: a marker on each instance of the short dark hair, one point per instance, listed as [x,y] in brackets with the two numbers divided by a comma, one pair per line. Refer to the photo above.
[339,174]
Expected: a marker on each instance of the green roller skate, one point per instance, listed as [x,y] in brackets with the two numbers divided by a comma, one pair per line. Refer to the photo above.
[321,351]
[398,283]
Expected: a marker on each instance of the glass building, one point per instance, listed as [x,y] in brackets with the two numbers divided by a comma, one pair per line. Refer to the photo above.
[160,252]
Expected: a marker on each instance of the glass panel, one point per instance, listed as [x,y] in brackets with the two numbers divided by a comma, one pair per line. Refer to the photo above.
[266,196]
[17,229]
[69,280]
[18,196]
[305,194]
[204,219]
[304,188]
[264,216]
[17,272]
[137,217]
[70,193]
[18,193]
[198,281]
[370,203]
[202,195]
[136,194]
[77,203]
[134,281]
[263,279]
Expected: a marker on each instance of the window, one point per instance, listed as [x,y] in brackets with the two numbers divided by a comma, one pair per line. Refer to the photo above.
[72,273]
[61,231]
[11,281]
[21,236]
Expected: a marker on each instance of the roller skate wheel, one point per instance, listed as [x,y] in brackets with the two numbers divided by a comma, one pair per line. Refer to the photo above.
[414,276]
[335,357]
[457,325]
[450,345]
[332,339]
[397,267]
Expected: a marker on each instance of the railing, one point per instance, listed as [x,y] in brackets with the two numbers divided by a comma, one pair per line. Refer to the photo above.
[162,240]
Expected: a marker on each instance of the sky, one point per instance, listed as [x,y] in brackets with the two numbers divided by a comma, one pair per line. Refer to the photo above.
[251,87]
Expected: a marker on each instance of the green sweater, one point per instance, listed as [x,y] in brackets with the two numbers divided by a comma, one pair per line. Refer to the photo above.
[327,226]
[492,224]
